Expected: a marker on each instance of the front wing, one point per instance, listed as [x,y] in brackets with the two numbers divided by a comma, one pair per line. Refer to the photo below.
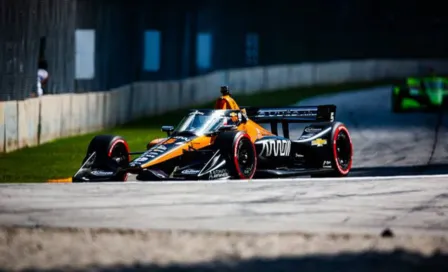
[192,165]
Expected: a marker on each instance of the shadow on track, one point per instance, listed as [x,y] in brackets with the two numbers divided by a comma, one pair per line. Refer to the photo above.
[434,169]
[396,261]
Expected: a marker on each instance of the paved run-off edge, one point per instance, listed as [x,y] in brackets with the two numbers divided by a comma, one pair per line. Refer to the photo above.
[62,248]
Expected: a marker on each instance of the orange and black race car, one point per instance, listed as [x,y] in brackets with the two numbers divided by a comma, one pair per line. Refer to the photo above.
[213,144]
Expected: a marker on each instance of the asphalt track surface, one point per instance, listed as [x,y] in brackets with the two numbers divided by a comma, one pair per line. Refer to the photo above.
[382,192]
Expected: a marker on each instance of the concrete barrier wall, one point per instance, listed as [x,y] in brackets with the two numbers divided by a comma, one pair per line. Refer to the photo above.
[2,127]
[11,125]
[39,120]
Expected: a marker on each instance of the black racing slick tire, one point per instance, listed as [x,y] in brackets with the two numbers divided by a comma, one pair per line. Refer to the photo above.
[395,103]
[240,153]
[341,151]
[110,150]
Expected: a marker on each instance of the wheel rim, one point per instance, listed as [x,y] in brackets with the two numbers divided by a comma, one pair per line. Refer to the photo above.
[245,157]
[120,155]
[343,150]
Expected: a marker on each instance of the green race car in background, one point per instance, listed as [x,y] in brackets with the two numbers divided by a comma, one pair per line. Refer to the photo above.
[420,93]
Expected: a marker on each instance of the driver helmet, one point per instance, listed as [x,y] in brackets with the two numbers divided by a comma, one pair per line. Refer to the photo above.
[225,90]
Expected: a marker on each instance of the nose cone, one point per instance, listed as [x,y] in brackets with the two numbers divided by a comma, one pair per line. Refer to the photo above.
[161,152]
[151,154]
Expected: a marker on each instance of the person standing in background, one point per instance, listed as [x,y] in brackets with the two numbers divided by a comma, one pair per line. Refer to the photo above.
[42,77]
[42,69]
[226,101]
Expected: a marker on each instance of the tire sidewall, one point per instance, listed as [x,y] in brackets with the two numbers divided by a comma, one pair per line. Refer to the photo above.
[104,145]
[241,138]
[338,128]
[119,141]
[227,143]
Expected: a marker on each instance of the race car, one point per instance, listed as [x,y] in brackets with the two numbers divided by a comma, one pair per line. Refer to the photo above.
[210,144]
[420,93]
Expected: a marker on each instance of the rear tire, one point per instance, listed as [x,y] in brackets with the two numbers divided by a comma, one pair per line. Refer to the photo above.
[342,153]
[109,151]
[396,103]
[240,153]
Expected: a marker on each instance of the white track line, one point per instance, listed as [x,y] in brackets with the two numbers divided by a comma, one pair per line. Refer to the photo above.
[273,180]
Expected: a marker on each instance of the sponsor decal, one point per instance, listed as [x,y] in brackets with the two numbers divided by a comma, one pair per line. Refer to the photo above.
[306,136]
[282,113]
[319,142]
[221,173]
[150,154]
[181,138]
[101,173]
[190,171]
[159,148]
[158,174]
[331,116]
[143,158]
[276,148]
[326,164]
[312,130]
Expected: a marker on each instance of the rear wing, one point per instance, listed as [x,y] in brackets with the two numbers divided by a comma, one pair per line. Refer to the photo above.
[287,115]
[298,114]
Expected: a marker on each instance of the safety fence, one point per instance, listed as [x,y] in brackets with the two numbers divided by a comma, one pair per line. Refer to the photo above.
[35,121]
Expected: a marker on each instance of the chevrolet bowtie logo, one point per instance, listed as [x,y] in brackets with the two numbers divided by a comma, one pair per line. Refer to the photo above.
[319,142]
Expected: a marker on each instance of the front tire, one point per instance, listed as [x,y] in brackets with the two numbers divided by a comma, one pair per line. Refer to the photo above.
[396,104]
[111,152]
